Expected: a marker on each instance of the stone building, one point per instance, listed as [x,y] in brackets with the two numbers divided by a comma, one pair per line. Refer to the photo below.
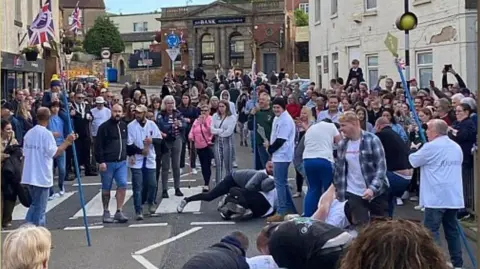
[90,10]
[343,30]
[229,35]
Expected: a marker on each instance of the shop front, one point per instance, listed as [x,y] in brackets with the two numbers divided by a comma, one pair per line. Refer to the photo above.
[18,73]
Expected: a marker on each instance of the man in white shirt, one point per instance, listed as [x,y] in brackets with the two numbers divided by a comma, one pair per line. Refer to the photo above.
[39,150]
[441,192]
[142,134]
[332,112]
[281,148]
[100,115]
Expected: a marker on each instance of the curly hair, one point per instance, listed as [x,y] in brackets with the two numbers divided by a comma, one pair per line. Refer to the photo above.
[399,244]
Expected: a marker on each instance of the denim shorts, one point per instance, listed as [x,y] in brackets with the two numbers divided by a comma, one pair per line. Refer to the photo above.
[117,171]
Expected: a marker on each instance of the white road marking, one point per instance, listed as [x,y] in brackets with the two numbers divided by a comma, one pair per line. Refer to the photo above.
[170,205]
[76,228]
[167,241]
[212,223]
[94,207]
[129,183]
[147,264]
[148,225]
[20,211]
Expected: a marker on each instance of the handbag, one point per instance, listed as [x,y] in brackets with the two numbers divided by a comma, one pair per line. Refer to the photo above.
[209,145]
[220,126]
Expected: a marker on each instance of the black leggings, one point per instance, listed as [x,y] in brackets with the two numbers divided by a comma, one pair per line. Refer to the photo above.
[222,188]
[299,181]
[205,155]
[252,200]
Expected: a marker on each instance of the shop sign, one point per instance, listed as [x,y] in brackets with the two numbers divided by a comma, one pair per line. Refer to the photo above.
[232,20]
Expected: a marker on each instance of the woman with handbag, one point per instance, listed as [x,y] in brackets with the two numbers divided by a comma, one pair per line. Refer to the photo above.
[201,136]
[9,195]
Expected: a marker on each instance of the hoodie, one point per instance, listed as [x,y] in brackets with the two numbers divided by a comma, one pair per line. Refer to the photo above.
[233,109]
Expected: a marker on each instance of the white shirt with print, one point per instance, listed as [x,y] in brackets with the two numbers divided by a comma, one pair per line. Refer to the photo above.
[39,148]
[136,136]
[283,127]
[319,141]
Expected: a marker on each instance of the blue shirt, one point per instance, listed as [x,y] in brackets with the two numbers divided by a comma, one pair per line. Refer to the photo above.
[55,125]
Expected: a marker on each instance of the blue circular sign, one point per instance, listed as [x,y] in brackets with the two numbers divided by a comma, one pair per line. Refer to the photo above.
[173,40]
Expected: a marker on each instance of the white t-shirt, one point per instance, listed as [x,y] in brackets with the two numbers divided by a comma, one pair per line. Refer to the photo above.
[262,262]
[99,116]
[319,141]
[136,136]
[336,214]
[283,127]
[271,197]
[39,148]
[440,163]
[355,180]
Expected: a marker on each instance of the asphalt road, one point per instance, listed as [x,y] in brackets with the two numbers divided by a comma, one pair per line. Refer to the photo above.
[166,240]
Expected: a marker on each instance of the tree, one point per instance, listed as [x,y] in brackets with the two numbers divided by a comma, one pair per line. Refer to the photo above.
[103,34]
[301,18]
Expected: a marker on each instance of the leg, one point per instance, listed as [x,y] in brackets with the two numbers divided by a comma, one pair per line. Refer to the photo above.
[285,203]
[137,186]
[93,161]
[193,155]
[378,207]
[432,220]
[398,185]
[183,153]
[88,166]
[107,179]
[166,166]
[314,177]
[452,236]
[158,171]
[62,172]
[264,156]
[298,181]
[120,176]
[7,211]
[176,150]
[36,212]
[228,154]
[149,178]
[205,161]
[218,167]
[222,188]
[358,210]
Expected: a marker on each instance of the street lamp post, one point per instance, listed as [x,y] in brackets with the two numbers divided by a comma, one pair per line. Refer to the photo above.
[407,22]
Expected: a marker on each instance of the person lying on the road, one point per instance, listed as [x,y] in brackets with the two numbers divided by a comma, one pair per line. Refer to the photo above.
[228,254]
[253,180]
[243,204]
[332,211]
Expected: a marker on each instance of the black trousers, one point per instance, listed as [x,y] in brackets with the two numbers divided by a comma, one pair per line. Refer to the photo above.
[205,155]
[362,211]
[248,199]
[83,145]
[299,181]
[222,188]
[186,144]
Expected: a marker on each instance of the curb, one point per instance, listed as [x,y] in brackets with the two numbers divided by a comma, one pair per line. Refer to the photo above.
[469,233]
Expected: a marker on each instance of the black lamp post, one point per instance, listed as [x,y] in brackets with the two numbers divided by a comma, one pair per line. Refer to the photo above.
[407,22]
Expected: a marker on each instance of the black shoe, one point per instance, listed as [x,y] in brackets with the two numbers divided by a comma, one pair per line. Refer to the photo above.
[70,178]
[178,193]
[165,194]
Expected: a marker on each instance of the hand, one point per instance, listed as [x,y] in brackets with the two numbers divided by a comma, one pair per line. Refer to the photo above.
[88,117]
[102,167]
[72,113]
[368,195]
[163,135]
[72,137]
[132,160]
[147,141]
[187,120]
[56,134]
[266,144]
[253,111]
[145,152]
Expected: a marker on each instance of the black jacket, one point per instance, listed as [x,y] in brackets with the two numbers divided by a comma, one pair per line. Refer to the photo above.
[396,151]
[111,142]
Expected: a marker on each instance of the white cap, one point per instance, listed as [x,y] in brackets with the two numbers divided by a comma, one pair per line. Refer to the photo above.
[99,100]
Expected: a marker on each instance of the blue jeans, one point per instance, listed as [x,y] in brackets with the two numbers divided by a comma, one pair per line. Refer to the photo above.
[285,200]
[261,157]
[117,171]
[433,218]
[60,162]
[319,176]
[36,211]
[140,177]
[398,185]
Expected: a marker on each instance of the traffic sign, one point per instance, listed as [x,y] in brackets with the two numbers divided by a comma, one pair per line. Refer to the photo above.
[173,40]
[173,53]
[106,53]
[68,57]
[392,44]
[105,61]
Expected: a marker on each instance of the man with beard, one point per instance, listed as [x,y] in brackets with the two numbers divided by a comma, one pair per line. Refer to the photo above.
[142,134]
[111,154]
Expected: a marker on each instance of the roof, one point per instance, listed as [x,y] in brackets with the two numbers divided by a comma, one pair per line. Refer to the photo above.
[133,14]
[91,4]
[138,37]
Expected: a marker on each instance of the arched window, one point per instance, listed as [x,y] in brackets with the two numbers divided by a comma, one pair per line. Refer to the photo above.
[208,49]
[237,49]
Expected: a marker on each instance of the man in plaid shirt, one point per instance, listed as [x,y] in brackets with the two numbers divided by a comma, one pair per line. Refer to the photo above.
[360,171]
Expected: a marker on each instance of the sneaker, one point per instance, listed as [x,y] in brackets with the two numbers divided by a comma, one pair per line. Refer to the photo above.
[51,197]
[107,218]
[246,215]
[235,208]
[399,201]
[181,171]
[414,198]
[181,206]
[152,209]
[165,194]
[417,207]
[213,163]
[296,195]
[235,165]
[120,217]
[405,195]
[139,216]
[275,218]
[205,189]
[178,193]
[61,193]
[194,171]
[291,216]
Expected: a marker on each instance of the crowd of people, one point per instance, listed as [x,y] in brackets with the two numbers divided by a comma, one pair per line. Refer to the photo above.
[360,150]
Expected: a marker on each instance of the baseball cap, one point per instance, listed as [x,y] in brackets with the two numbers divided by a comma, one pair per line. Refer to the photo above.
[141,109]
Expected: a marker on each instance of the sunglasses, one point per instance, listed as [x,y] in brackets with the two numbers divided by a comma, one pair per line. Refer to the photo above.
[205,110]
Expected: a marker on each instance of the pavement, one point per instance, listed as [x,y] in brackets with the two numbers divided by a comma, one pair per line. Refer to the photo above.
[166,240]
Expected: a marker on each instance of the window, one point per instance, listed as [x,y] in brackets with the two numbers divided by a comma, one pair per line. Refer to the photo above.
[335,64]
[318,9]
[302,52]
[425,68]
[372,71]
[303,7]
[318,60]
[207,49]
[140,26]
[237,49]
[370,4]
[334,7]
[145,26]
[325,64]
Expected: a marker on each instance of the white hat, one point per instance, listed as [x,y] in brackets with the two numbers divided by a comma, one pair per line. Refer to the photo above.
[103,90]
[99,100]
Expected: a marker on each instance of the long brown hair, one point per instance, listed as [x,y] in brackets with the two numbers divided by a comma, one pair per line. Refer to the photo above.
[399,244]
[227,108]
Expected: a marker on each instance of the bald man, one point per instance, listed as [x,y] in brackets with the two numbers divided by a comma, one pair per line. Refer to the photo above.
[39,150]
[399,171]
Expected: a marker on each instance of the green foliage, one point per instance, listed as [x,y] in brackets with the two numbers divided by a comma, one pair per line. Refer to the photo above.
[301,18]
[103,34]
[78,49]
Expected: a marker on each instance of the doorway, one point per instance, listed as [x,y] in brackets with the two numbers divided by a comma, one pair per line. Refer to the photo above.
[122,68]
[269,63]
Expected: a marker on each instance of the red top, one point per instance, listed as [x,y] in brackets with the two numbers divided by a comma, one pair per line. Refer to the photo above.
[294,110]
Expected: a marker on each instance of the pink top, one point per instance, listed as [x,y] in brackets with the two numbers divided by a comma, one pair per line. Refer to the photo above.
[195,135]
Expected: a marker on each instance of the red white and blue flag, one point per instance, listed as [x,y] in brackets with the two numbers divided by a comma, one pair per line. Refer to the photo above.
[76,23]
[42,29]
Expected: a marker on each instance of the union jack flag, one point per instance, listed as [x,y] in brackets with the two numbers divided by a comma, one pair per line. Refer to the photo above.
[42,29]
[76,23]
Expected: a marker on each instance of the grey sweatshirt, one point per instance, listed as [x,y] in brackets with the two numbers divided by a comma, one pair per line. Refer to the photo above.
[254,180]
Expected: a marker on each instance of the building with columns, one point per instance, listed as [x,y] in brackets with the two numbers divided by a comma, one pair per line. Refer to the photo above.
[230,35]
